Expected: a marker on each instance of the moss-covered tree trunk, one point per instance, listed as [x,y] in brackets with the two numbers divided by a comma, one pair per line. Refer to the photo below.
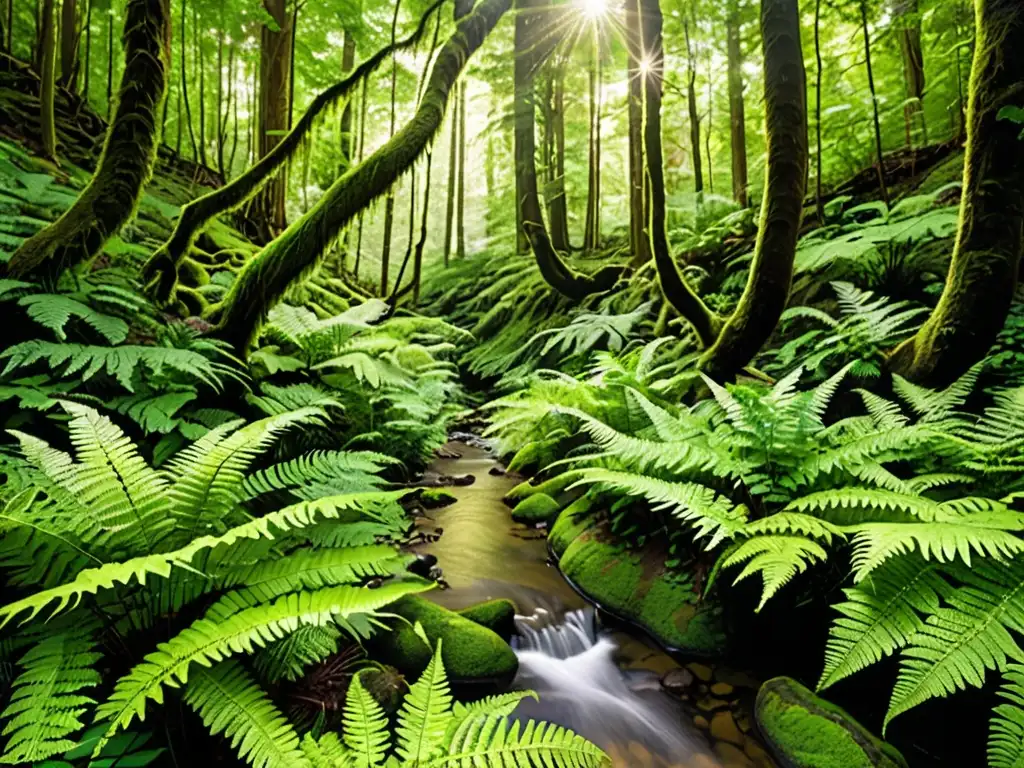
[266,277]
[907,18]
[532,46]
[636,64]
[161,271]
[124,167]
[48,84]
[983,273]
[389,203]
[275,58]
[737,116]
[69,44]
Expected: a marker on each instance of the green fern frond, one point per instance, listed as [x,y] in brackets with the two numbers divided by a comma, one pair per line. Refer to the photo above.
[287,659]
[959,643]
[230,702]
[493,741]
[1006,730]
[366,727]
[425,714]
[937,405]
[327,752]
[53,311]
[327,467]
[880,616]
[777,558]
[793,522]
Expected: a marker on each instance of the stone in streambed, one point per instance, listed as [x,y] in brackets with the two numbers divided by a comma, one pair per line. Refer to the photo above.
[499,616]
[677,681]
[805,731]
[536,509]
[477,660]
[435,498]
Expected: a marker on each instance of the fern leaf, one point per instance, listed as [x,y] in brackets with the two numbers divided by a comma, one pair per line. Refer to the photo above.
[493,741]
[366,726]
[53,311]
[1006,730]
[880,616]
[425,714]
[777,558]
[230,702]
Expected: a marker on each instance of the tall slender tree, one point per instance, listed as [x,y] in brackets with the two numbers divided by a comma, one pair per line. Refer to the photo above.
[737,114]
[876,119]
[47,74]
[691,103]
[636,70]
[69,44]
[907,18]
[389,200]
[274,101]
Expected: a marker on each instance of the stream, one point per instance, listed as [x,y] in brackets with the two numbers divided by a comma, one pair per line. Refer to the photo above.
[603,684]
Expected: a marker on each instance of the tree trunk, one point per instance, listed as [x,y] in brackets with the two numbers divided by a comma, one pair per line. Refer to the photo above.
[47,74]
[265,278]
[983,272]
[125,165]
[346,137]
[389,204]
[771,272]
[220,97]
[737,117]
[460,216]
[88,46]
[453,170]
[590,234]
[636,71]
[558,205]
[233,92]
[184,82]
[818,204]
[160,272]
[69,45]
[362,152]
[532,19]
[691,102]
[908,25]
[275,55]
[110,64]
[201,66]
[879,156]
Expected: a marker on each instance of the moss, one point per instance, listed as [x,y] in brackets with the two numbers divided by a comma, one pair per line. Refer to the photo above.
[538,508]
[554,487]
[435,498]
[499,616]
[572,522]
[805,731]
[534,455]
[636,587]
[471,652]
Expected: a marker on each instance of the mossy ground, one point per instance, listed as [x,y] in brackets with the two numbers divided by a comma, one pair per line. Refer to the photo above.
[806,731]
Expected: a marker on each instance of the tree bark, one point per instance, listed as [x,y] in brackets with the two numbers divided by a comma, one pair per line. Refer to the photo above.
[691,102]
[591,235]
[201,67]
[908,25]
[460,214]
[453,172]
[879,155]
[88,46]
[532,17]
[819,205]
[69,45]
[771,272]
[983,272]
[184,82]
[275,56]
[124,167]
[265,278]
[389,204]
[110,64]
[160,272]
[636,71]
[737,117]
[558,205]
[47,74]
[346,137]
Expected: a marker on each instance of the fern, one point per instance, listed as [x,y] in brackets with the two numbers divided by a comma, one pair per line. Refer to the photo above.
[1006,732]
[777,558]
[366,733]
[230,702]
[424,717]
[53,311]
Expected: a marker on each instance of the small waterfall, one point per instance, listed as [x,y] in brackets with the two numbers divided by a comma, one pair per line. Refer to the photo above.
[570,663]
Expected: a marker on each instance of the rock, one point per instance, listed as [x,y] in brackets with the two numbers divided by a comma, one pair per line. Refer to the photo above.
[555,487]
[756,752]
[538,508]
[803,730]
[701,671]
[724,728]
[570,523]
[422,565]
[677,681]
[499,616]
[722,689]
[457,479]
[635,586]
[735,678]
[477,660]
[711,705]
[434,498]
[701,722]
[497,471]
[732,756]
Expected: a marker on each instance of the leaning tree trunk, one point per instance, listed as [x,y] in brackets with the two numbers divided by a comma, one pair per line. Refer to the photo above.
[908,21]
[639,241]
[737,118]
[275,58]
[299,249]
[460,213]
[531,48]
[771,272]
[983,273]
[161,271]
[124,167]
[47,74]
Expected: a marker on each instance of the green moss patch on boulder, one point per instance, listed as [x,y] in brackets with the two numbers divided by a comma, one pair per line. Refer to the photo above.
[570,523]
[472,653]
[637,587]
[536,509]
[806,731]
[554,487]
[434,498]
[499,616]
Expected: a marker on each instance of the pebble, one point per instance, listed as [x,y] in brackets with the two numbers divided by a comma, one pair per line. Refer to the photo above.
[722,689]
[677,680]
[710,705]
[701,722]
[724,728]
[702,671]
[732,756]
[758,754]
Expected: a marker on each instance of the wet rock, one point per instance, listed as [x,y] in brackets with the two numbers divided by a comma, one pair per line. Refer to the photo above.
[805,731]
[497,471]
[677,681]
[538,508]
[434,498]
[724,728]
[701,722]
[700,671]
[757,753]
[499,616]
[472,440]
[457,480]
[445,452]
[711,705]
[734,757]
[422,565]
[722,689]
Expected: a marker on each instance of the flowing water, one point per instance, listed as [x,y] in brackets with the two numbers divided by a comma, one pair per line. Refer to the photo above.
[575,666]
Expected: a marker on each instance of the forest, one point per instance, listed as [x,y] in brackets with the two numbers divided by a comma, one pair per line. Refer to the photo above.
[523,383]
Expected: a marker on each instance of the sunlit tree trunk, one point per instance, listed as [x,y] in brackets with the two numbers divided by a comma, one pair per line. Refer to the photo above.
[460,216]
[879,156]
[47,74]
[558,205]
[908,25]
[691,103]
[110,62]
[275,57]
[183,18]
[636,69]
[69,45]
[818,203]
[453,170]
[220,98]
[88,47]
[346,137]
[982,275]
[234,118]
[591,231]
[737,117]
[125,165]
[363,105]
[201,67]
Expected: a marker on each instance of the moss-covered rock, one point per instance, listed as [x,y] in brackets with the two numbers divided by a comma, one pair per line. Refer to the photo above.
[570,523]
[499,616]
[554,487]
[536,509]
[805,731]
[637,587]
[473,655]
[434,498]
